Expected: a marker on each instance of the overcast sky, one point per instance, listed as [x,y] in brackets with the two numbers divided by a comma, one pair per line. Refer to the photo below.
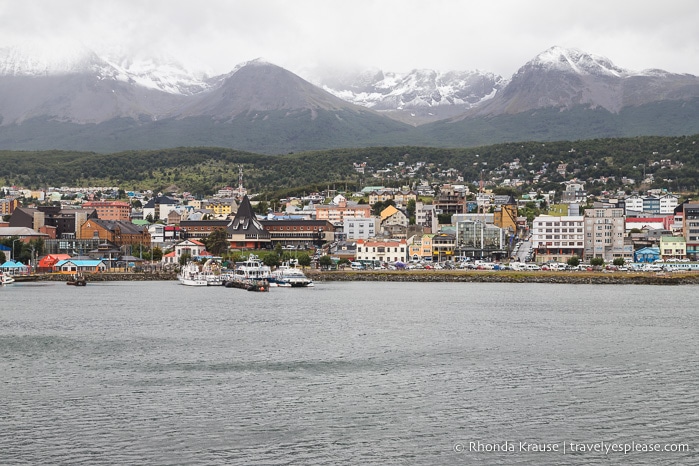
[394,35]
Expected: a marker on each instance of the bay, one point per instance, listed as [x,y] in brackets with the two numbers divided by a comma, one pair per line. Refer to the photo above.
[347,373]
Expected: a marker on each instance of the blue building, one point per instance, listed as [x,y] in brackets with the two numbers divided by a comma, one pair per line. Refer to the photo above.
[648,255]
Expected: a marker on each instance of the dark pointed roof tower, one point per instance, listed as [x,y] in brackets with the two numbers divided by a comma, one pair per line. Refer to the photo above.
[245,230]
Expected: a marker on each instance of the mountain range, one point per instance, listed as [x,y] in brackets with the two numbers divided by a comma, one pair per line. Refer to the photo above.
[87,102]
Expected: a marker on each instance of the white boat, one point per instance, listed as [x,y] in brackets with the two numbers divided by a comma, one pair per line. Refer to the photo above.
[190,275]
[6,278]
[290,275]
[252,275]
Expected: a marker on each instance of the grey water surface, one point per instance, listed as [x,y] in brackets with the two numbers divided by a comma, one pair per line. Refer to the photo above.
[348,373]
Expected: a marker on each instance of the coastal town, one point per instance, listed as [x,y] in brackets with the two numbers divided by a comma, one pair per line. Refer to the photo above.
[449,224]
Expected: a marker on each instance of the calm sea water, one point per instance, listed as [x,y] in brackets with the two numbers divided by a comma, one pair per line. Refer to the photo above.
[347,373]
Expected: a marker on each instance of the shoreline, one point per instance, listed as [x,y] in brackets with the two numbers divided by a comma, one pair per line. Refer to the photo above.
[506,276]
[431,276]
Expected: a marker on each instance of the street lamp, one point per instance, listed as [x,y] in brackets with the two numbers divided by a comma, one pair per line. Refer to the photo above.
[13,249]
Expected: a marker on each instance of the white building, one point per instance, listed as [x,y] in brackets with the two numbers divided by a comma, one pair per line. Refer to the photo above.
[558,238]
[384,251]
[668,203]
[360,228]
[634,203]
[604,234]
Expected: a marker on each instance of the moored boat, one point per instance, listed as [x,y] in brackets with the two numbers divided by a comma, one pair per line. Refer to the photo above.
[77,279]
[251,275]
[6,278]
[190,275]
[291,276]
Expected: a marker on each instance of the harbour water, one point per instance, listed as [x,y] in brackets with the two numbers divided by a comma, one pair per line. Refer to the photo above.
[348,373]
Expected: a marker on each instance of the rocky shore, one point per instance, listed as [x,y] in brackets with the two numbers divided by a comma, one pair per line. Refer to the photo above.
[100,277]
[597,278]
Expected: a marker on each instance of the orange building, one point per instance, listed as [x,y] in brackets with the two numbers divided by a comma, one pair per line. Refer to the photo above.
[110,210]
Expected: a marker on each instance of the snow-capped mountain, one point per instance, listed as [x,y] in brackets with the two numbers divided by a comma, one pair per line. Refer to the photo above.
[32,60]
[84,101]
[564,78]
[416,97]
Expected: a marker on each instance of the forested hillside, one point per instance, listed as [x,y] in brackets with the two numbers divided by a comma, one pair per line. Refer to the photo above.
[673,163]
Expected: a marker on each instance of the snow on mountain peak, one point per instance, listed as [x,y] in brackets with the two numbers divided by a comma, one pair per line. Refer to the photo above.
[34,58]
[572,59]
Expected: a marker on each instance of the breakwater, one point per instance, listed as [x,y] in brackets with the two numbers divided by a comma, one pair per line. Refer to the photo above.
[598,278]
[100,277]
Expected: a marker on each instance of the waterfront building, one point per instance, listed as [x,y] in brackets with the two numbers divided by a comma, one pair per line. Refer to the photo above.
[420,247]
[558,238]
[647,255]
[298,233]
[479,240]
[384,251]
[691,229]
[604,234]
[673,247]
[443,247]
[190,248]
[245,231]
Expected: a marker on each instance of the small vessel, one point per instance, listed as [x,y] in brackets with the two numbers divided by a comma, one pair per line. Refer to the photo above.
[77,279]
[6,278]
[291,276]
[251,275]
[190,275]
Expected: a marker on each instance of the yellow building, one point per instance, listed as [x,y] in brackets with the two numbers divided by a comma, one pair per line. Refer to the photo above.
[673,247]
[505,215]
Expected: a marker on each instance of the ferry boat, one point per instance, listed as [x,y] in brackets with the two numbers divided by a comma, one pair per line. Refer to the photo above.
[251,275]
[291,276]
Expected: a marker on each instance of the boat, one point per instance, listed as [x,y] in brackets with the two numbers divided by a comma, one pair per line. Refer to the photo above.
[6,278]
[77,279]
[190,275]
[290,276]
[211,271]
[251,274]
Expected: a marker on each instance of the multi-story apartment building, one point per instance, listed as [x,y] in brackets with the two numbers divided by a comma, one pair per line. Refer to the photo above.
[426,216]
[336,212]
[110,210]
[604,234]
[361,228]
[691,229]
[450,201]
[668,203]
[558,239]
